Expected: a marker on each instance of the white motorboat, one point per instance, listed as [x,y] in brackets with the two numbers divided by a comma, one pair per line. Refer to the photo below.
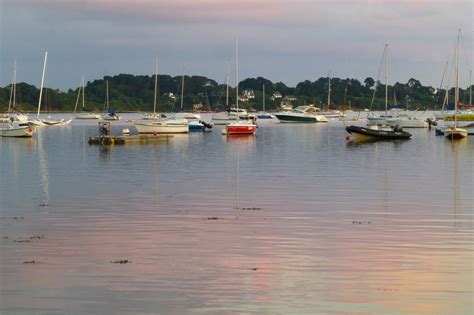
[55,122]
[87,115]
[162,126]
[302,114]
[15,130]
[188,116]
[407,121]
[153,116]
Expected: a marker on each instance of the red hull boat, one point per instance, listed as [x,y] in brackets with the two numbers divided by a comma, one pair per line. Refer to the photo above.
[241,128]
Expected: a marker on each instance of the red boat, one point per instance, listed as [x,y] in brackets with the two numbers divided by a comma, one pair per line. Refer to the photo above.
[241,128]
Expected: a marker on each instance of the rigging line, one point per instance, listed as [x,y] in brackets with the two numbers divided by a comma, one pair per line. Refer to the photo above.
[377,81]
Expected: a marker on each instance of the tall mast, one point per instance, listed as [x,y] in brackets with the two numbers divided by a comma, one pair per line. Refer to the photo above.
[386,78]
[14,85]
[470,87]
[329,89]
[12,89]
[227,85]
[456,91]
[156,85]
[107,93]
[83,92]
[78,96]
[263,97]
[182,89]
[42,83]
[236,73]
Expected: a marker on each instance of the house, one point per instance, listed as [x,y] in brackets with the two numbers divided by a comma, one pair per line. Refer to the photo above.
[249,94]
[286,106]
[290,98]
[276,95]
[170,95]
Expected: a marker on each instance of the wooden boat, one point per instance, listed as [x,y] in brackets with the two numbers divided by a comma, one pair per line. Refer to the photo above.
[376,133]
[455,133]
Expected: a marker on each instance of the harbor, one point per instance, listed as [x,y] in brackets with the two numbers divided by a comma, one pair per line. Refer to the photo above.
[207,222]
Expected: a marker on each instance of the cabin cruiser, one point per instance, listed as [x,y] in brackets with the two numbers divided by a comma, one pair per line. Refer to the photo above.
[302,114]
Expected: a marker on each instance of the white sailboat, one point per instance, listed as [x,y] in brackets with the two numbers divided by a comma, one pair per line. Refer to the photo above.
[12,113]
[84,114]
[453,132]
[111,115]
[379,120]
[185,115]
[263,117]
[49,121]
[154,115]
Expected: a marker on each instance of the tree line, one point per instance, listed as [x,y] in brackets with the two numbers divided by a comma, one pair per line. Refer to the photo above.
[136,93]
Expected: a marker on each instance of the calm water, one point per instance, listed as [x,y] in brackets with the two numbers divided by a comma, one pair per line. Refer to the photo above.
[292,221]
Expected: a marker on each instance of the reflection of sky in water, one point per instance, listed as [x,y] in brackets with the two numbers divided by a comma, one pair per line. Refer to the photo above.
[150,204]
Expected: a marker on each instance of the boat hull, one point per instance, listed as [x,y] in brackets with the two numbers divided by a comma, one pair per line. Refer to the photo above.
[288,118]
[363,133]
[159,127]
[407,123]
[241,129]
[455,133]
[87,116]
[18,132]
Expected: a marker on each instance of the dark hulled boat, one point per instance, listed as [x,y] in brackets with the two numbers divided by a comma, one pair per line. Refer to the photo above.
[376,133]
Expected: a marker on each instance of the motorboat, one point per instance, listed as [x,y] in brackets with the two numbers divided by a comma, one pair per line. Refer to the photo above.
[302,114]
[153,116]
[377,133]
[162,126]
[266,118]
[87,115]
[15,130]
[199,126]
[455,133]
[188,116]
[241,127]
[406,121]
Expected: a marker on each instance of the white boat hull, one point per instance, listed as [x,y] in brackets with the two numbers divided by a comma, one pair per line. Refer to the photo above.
[19,132]
[87,116]
[407,123]
[163,126]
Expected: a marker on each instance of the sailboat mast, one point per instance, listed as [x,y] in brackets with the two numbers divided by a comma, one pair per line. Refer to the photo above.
[470,87]
[236,73]
[78,96]
[156,85]
[107,93]
[83,92]
[264,97]
[42,83]
[227,85]
[329,89]
[456,91]
[182,89]
[386,78]
[12,89]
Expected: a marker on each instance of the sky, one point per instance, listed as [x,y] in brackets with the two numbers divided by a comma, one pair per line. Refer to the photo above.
[282,40]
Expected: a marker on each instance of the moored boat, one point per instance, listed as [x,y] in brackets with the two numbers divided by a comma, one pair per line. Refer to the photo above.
[15,130]
[241,127]
[377,133]
[302,114]
[162,126]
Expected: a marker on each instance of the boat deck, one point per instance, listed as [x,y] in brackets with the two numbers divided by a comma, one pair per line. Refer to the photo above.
[132,139]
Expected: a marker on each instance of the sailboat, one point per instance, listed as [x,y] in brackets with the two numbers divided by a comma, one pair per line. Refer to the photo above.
[374,132]
[161,125]
[330,113]
[380,120]
[12,113]
[239,127]
[85,114]
[453,132]
[190,117]
[111,115]
[46,122]
[154,115]
[263,117]
[343,116]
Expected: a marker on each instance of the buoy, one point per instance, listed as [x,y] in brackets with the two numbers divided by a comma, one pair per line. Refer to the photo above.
[126,131]
[348,138]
